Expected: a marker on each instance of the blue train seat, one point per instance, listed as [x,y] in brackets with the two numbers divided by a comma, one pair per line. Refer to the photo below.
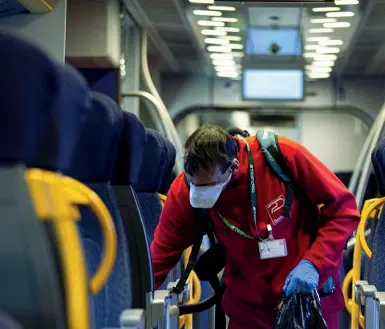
[91,145]
[8,322]
[130,158]
[168,176]
[30,289]
[375,273]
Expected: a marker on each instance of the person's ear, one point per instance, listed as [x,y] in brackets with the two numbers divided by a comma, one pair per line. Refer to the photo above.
[235,166]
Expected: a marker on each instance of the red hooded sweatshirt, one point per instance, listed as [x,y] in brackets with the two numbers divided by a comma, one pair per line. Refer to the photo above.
[254,286]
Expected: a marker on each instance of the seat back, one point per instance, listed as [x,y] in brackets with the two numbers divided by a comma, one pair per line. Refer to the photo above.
[168,176]
[375,273]
[130,158]
[156,161]
[91,148]
[8,322]
[30,289]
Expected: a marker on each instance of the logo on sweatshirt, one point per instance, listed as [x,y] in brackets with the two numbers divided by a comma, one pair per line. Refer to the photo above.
[274,209]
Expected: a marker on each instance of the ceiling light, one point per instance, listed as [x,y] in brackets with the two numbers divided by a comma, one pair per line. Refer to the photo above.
[321,75]
[315,39]
[222,8]
[225,19]
[228,74]
[223,62]
[321,30]
[327,50]
[232,37]
[208,2]
[346,2]
[341,14]
[323,20]
[214,32]
[323,63]
[309,55]
[218,49]
[207,13]
[228,68]
[235,46]
[337,25]
[237,54]
[217,41]
[325,9]
[325,57]
[221,56]
[311,47]
[318,68]
[227,29]
[331,43]
[210,23]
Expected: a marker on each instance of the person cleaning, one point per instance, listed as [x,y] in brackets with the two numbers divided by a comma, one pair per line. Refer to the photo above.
[276,242]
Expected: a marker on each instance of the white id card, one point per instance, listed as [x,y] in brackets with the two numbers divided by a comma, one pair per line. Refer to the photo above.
[272,249]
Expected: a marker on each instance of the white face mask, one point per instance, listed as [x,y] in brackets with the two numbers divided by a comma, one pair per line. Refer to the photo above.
[206,196]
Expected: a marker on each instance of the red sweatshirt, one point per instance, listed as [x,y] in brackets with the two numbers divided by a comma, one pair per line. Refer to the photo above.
[254,286]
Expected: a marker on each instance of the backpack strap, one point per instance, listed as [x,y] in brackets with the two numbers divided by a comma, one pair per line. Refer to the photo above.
[268,142]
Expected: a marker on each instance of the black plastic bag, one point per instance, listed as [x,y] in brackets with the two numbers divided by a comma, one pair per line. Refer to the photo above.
[300,311]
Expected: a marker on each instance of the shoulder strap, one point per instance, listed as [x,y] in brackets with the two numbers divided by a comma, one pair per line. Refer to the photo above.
[268,142]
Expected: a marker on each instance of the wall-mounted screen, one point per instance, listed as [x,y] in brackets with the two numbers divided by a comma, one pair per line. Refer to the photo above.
[273,84]
[260,41]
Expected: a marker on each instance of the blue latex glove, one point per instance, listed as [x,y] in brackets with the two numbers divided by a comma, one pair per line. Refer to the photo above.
[303,279]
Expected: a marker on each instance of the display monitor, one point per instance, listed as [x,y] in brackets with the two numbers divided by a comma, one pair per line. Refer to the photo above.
[273,84]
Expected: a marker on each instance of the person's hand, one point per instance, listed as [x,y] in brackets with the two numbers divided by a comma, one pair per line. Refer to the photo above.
[303,279]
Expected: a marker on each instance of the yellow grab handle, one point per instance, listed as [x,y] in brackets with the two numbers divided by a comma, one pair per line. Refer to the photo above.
[61,202]
[345,290]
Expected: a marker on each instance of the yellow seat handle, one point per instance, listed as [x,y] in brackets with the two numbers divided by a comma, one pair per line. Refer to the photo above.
[62,195]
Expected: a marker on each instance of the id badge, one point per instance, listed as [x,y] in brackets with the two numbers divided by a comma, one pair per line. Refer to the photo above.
[272,249]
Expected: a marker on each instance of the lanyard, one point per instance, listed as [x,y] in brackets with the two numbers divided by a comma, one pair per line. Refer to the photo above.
[253,196]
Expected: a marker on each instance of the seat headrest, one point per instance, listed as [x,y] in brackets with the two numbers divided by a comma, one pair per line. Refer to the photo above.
[30,86]
[378,161]
[96,149]
[154,163]
[131,151]
[167,176]
[74,111]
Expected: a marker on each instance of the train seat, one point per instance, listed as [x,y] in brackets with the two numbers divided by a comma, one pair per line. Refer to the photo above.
[8,322]
[168,172]
[127,169]
[92,160]
[29,281]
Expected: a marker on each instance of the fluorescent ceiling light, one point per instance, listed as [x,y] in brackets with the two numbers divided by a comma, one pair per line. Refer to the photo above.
[221,56]
[323,63]
[207,13]
[223,62]
[327,50]
[309,55]
[228,74]
[318,68]
[208,2]
[214,32]
[217,41]
[228,68]
[311,47]
[321,75]
[324,30]
[225,19]
[222,8]
[227,29]
[323,20]
[315,39]
[210,23]
[325,57]
[218,49]
[331,43]
[235,46]
[232,37]
[337,25]
[341,14]
[325,9]
[237,54]
[346,2]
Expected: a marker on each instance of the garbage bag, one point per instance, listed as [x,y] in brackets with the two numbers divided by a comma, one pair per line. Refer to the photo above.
[300,311]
